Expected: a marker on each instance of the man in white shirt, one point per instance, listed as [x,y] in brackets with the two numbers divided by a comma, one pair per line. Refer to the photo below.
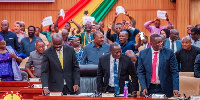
[113,70]
[172,42]
[158,69]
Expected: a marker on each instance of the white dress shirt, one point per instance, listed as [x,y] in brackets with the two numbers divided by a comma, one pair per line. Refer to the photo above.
[157,65]
[170,42]
[145,45]
[111,79]
[61,50]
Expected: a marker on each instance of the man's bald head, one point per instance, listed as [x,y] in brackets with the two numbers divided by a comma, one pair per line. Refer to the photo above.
[101,23]
[57,41]
[115,50]
[187,38]
[65,34]
[163,38]
[132,55]
[4,26]
[189,28]
[186,43]
[57,36]
[174,34]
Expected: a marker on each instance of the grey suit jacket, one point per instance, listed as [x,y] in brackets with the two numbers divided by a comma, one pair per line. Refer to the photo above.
[52,73]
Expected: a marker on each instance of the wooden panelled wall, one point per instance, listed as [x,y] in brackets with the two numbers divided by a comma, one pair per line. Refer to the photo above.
[142,10]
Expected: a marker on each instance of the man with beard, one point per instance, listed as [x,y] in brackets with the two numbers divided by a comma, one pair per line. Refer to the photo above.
[28,43]
[9,37]
[87,36]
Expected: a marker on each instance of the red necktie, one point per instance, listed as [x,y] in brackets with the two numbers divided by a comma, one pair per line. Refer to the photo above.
[153,78]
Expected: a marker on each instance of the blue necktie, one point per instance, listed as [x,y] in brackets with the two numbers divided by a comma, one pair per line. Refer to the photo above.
[116,81]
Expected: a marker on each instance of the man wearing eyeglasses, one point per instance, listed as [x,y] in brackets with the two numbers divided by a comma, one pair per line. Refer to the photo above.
[158,69]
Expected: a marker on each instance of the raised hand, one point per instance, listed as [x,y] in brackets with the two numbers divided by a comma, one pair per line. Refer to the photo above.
[109,25]
[71,21]
[126,13]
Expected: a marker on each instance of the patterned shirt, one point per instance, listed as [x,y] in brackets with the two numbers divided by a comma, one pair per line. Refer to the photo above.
[79,55]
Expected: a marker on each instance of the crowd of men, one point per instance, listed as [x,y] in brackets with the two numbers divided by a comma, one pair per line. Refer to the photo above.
[56,56]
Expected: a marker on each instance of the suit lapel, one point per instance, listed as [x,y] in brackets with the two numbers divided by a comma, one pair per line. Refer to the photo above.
[168,43]
[65,51]
[107,63]
[120,66]
[160,60]
[55,56]
[149,54]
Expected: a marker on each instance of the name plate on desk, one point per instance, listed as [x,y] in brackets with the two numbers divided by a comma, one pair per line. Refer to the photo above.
[55,94]
[37,85]
[195,98]
[34,79]
[158,96]
[107,94]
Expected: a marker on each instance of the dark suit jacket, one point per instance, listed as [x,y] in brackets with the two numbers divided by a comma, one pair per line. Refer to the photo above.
[197,66]
[52,73]
[111,37]
[125,68]
[178,44]
[167,72]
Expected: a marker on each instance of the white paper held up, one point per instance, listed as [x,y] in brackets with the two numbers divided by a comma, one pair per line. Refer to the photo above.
[120,9]
[62,13]
[88,18]
[161,14]
[47,21]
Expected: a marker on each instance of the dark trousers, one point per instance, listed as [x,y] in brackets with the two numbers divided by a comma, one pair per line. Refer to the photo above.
[110,89]
[67,91]
[154,89]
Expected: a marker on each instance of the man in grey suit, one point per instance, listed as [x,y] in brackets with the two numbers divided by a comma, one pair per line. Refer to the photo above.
[60,69]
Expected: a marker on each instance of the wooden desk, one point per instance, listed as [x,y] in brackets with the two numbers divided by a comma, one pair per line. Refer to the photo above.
[28,93]
[6,86]
[88,98]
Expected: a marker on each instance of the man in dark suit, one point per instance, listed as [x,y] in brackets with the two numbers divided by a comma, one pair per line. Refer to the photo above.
[60,69]
[172,42]
[113,70]
[197,67]
[158,69]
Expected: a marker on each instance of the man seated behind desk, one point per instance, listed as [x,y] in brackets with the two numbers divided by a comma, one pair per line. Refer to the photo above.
[113,70]
[35,59]
[95,49]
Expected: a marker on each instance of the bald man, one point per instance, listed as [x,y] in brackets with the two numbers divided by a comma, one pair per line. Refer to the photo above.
[186,56]
[106,40]
[163,38]
[95,49]
[113,70]
[189,28]
[65,35]
[132,55]
[60,69]
[9,37]
[172,42]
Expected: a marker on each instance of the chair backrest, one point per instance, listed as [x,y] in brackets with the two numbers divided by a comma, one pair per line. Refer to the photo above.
[189,74]
[23,63]
[189,86]
[88,70]
[24,76]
